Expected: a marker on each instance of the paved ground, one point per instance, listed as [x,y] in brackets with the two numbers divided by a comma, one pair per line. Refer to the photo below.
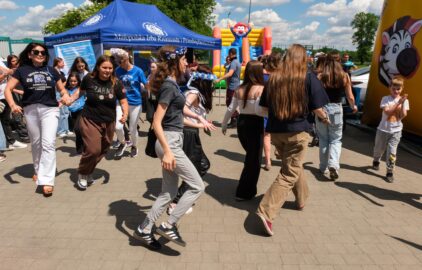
[358,222]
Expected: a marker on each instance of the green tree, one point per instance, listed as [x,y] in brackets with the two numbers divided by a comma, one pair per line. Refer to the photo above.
[365,26]
[193,14]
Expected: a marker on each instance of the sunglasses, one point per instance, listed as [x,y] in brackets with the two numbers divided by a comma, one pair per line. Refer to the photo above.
[37,52]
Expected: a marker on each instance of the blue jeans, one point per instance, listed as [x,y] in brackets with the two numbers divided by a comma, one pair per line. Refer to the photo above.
[2,139]
[330,137]
[63,120]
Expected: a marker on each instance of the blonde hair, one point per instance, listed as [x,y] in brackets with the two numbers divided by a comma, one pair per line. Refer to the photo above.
[397,80]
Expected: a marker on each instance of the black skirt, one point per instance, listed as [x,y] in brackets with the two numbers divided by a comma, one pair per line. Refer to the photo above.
[193,149]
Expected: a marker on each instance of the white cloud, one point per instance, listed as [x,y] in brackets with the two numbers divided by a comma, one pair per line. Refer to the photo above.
[31,23]
[8,5]
[87,3]
[258,3]
[239,9]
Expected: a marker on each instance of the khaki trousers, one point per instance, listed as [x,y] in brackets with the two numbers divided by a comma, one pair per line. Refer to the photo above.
[292,148]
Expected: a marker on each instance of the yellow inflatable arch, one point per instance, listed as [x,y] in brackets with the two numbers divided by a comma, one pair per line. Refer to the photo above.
[397,51]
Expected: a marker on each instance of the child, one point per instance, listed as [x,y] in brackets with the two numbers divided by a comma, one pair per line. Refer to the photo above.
[72,84]
[394,109]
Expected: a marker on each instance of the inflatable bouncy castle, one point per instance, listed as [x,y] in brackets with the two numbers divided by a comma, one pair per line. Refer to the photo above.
[397,51]
[249,42]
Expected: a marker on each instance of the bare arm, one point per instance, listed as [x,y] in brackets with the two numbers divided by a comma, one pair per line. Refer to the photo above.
[349,93]
[125,109]
[168,162]
[390,110]
[226,76]
[322,115]
[63,92]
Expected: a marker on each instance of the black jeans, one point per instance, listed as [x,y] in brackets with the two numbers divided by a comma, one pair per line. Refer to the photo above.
[250,129]
[6,122]
[75,127]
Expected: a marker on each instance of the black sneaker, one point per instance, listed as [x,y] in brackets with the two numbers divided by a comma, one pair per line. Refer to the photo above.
[333,173]
[171,234]
[376,165]
[148,239]
[389,177]
[120,150]
[133,151]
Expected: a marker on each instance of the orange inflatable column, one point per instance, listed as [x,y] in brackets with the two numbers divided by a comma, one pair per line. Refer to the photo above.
[245,51]
[216,54]
[267,40]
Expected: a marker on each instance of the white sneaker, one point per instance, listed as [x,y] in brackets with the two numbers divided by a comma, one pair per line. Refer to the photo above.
[18,144]
[62,135]
[82,181]
[70,133]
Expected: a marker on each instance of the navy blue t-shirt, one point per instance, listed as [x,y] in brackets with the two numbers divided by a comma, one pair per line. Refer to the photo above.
[317,98]
[39,84]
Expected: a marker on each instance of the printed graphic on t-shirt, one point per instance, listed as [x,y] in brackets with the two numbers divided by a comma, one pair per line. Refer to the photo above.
[127,82]
[102,92]
[39,80]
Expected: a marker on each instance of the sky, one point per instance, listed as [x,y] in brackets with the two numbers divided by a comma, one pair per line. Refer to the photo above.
[308,22]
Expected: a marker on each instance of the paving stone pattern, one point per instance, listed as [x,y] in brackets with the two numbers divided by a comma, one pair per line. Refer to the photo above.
[357,222]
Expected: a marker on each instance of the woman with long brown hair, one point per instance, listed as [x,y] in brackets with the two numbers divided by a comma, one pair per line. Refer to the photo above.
[291,94]
[250,128]
[337,85]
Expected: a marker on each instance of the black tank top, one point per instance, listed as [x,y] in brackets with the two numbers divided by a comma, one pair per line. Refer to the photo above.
[335,94]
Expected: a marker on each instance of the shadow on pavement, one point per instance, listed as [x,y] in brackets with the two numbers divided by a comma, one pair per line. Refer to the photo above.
[128,215]
[240,157]
[97,174]
[68,149]
[362,142]
[315,172]
[412,244]
[153,189]
[223,190]
[365,169]
[382,194]
[25,171]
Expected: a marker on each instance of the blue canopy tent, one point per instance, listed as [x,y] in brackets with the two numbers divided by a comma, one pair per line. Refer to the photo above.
[138,26]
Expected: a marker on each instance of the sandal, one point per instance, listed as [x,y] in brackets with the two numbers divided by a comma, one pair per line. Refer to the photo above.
[47,191]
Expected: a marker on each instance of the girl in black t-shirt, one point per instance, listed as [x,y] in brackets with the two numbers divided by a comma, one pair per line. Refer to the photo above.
[96,122]
[39,83]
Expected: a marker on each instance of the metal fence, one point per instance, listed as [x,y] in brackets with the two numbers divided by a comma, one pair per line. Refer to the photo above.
[14,46]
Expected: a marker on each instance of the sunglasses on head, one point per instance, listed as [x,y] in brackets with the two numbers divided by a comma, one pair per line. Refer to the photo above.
[178,52]
[37,52]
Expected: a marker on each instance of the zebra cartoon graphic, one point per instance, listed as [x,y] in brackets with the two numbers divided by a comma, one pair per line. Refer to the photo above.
[398,55]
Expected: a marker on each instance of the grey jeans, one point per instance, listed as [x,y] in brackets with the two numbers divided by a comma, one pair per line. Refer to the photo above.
[170,183]
[390,142]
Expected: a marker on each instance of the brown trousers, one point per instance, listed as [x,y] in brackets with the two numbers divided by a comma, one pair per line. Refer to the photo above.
[292,149]
[97,138]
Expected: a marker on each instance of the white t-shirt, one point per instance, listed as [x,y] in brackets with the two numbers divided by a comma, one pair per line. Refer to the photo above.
[2,83]
[391,124]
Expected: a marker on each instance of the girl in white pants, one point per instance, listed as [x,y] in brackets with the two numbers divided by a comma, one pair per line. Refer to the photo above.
[134,113]
[133,79]
[39,84]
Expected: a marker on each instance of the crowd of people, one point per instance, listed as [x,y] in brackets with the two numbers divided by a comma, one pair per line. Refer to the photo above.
[281,99]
